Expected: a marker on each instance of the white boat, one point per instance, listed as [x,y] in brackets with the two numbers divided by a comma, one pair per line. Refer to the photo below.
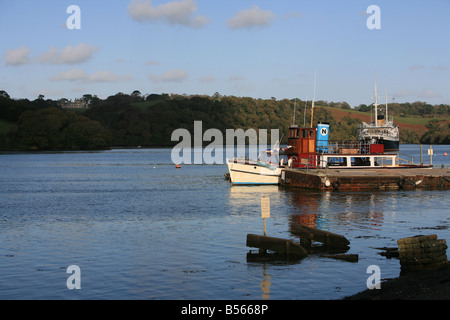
[265,170]
[245,172]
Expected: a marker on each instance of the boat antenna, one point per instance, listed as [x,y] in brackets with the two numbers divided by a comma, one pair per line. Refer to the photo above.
[386,107]
[304,114]
[314,98]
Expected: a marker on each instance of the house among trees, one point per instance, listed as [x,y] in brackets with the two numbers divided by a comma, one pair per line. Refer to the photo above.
[76,104]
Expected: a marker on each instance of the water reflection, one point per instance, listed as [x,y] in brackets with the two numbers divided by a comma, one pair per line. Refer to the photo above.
[265,284]
[323,210]
[239,193]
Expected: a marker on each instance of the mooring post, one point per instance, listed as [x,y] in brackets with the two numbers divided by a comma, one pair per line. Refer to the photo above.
[430,152]
[421,156]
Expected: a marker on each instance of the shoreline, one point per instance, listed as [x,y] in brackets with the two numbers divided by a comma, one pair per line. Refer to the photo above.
[419,285]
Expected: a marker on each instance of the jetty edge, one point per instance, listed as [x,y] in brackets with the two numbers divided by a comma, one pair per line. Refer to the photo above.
[374,179]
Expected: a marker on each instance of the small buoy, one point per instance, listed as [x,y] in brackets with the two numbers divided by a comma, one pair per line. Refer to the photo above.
[445,153]
[178,166]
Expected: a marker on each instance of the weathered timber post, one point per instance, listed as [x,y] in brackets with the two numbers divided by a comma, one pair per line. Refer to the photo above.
[328,238]
[282,246]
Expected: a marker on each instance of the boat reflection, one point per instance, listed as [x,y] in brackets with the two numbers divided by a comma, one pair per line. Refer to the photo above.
[327,210]
[246,199]
[238,192]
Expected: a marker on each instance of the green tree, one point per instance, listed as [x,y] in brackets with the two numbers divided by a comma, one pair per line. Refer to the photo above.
[83,133]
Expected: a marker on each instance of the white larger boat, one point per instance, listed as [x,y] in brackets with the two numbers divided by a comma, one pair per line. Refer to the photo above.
[381,131]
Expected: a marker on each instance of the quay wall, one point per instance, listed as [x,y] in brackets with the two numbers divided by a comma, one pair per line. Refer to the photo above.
[371,179]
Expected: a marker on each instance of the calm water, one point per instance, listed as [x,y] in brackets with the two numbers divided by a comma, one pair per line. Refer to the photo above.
[140,229]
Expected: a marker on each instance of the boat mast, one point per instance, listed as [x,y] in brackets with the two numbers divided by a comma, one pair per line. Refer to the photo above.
[386,109]
[314,98]
[376,102]
[304,112]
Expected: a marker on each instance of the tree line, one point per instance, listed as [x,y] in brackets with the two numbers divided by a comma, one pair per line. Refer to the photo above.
[130,120]
[418,108]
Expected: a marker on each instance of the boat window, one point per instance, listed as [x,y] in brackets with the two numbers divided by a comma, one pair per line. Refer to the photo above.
[360,161]
[337,162]
[384,161]
[305,133]
[293,133]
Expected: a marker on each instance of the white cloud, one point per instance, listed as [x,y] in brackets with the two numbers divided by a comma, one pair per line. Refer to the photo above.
[416,67]
[80,75]
[152,62]
[103,76]
[69,55]
[17,57]
[429,94]
[441,68]
[253,17]
[207,79]
[236,77]
[72,75]
[173,12]
[174,75]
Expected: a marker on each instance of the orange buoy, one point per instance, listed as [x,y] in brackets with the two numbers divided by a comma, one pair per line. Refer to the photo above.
[445,153]
[178,166]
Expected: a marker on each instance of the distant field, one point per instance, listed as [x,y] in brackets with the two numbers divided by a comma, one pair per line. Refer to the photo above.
[417,120]
[412,123]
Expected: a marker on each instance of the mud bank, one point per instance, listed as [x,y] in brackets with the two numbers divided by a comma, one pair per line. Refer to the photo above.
[420,285]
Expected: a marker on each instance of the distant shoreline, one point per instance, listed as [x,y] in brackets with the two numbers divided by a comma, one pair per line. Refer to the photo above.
[32,150]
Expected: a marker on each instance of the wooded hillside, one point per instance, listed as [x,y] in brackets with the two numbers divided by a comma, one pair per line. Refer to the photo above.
[129,120]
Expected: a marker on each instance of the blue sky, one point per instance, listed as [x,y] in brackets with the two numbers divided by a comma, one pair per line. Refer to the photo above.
[259,49]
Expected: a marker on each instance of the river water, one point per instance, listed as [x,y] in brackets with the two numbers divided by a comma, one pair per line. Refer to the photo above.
[138,228]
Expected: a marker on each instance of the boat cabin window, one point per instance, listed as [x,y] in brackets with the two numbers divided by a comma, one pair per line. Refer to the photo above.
[293,133]
[305,133]
[337,162]
[360,161]
[384,161]
[308,133]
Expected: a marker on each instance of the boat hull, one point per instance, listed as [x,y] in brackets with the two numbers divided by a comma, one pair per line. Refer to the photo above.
[391,145]
[253,174]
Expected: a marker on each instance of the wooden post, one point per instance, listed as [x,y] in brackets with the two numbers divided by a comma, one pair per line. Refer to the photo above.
[329,238]
[264,226]
[282,246]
